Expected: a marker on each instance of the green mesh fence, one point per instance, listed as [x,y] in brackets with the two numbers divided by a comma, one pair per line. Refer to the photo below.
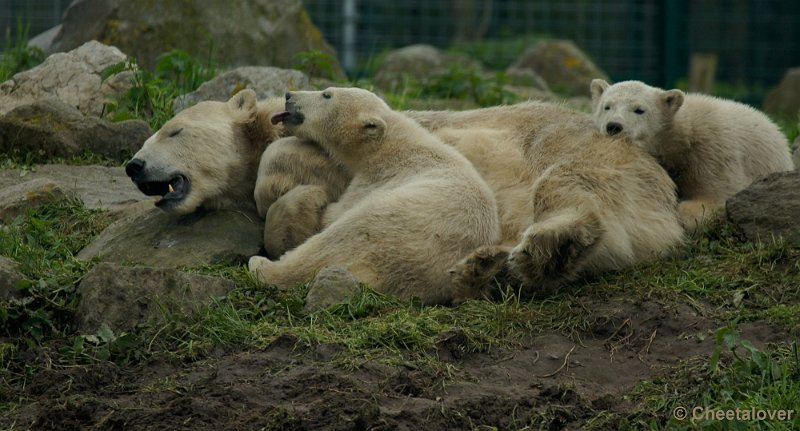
[755,40]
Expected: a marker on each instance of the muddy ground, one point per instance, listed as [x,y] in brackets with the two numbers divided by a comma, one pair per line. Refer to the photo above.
[550,381]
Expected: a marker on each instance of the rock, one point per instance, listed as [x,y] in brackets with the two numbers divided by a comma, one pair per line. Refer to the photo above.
[9,277]
[123,297]
[770,207]
[527,78]
[147,235]
[332,285]
[416,62]
[99,187]
[564,67]
[50,128]
[17,199]
[242,33]
[44,40]
[784,100]
[265,81]
[72,77]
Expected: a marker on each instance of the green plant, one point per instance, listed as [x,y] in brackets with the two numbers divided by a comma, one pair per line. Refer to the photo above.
[457,82]
[151,96]
[316,63]
[497,54]
[44,241]
[18,56]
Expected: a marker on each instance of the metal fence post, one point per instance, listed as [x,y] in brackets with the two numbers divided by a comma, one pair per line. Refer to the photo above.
[350,15]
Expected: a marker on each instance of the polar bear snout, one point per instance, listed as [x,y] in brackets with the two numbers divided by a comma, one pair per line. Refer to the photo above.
[134,168]
[613,128]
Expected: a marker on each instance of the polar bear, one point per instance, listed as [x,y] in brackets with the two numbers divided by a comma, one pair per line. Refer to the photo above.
[712,147]
[572,201]
[207,155]
[413,208]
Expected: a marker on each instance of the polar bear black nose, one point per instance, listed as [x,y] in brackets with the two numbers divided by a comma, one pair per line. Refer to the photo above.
[134,168]
[613,128]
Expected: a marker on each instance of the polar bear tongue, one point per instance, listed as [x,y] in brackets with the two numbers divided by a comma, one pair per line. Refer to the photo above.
[280,117]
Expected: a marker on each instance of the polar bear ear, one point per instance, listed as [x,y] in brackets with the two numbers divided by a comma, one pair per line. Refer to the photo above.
[672,99]
[597,87]
[244,100]
[373,126]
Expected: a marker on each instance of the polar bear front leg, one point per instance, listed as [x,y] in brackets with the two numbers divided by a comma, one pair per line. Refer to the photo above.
[293,218]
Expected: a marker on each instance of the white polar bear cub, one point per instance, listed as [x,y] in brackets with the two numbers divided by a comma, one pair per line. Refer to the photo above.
[413,209]
[711,147]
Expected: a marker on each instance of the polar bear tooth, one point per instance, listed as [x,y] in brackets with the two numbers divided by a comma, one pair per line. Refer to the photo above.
[171,189]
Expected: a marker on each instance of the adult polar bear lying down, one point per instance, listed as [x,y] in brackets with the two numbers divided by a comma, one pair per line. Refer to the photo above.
[571,200]
[543,162]
[413,208]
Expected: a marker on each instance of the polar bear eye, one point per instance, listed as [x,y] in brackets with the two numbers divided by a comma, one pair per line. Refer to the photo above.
[174,133]
[638,111]
[608,107]
[326,94]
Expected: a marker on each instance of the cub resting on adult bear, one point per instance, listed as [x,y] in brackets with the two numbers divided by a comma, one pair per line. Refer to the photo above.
[712,148]
[413,208]
[572,201]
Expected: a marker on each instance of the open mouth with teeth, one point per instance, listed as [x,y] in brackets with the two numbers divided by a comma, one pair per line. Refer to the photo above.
[171,191]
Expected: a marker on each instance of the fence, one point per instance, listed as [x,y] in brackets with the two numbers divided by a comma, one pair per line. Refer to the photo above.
[755,41]
[651,40]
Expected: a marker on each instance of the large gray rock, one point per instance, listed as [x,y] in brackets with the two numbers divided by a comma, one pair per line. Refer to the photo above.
[784,100]
[769,208]
[50,128]
[240,33]
[332,285]
[9,277]
[72,77]
[99,187]
[122,297]
[265,81]
[417,62]
[566,69]
[147,235]
[17,199]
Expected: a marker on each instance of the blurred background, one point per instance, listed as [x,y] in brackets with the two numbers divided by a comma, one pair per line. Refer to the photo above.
[749,44]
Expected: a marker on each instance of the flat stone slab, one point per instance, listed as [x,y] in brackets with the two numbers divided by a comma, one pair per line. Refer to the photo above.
[97,186]
[147,235]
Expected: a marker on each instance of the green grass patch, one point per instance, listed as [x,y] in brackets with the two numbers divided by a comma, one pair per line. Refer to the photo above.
[17,56]
[44,242]
[739,377]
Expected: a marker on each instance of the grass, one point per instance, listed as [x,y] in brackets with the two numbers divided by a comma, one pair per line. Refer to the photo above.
[17,56]
[150,98]
[719,275]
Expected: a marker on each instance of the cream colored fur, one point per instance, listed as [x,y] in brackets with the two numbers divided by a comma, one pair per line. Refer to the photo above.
[571,201]
[216,146]
[413,208]
[712,147]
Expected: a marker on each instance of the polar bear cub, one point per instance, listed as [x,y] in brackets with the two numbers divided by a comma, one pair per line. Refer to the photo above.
[711,147]
[413,209]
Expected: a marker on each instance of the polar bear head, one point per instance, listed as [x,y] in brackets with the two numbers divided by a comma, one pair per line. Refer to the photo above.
[206,156]
[343,120]
[634,110]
